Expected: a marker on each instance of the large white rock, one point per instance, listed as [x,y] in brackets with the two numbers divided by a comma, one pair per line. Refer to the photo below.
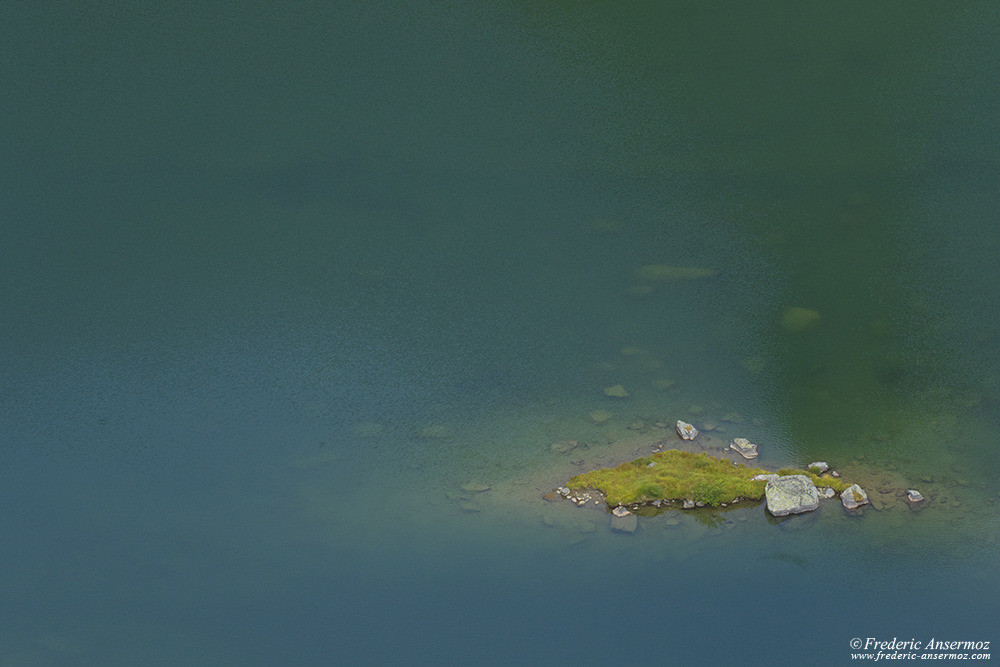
[744,448]
[854,497]
[686,431]
[791,494]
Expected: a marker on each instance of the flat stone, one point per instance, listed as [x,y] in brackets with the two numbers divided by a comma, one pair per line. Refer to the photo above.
[853,497]
[792,494]
[914,496]
[822,465]
[624,524]
[744,448]
[686,431]
[475,488]
[552,496]
[764,477]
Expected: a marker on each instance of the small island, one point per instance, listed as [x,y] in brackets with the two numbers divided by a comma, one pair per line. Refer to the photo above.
[695,480]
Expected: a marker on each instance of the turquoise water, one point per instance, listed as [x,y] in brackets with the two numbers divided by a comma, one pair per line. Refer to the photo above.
[277,283]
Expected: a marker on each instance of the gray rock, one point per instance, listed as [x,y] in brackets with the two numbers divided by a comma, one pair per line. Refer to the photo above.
[620,512]
[853,497]
[792,494]
[764,478]
[689,504]
[914,496]
[826,492]
[686,431]
[822,465]
[744,448]
[624,524]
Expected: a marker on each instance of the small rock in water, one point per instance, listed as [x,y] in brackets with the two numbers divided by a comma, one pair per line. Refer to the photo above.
[827,492]
[686,431]
[914,496]
[620,511]
[689,504]
[744,448]
[552,496]
[563,491]
[853,497]
[821,465]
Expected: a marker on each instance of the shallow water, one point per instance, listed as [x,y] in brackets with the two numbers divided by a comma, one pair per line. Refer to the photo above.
[278,284]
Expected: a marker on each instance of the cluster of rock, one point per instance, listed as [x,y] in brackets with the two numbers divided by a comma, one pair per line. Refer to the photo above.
[795,494]
[785,494]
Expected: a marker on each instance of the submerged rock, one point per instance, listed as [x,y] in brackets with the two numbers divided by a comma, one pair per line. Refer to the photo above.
[661,273]
[744,448]
[617,391]
[564,446]
[853,497]
[792,494]
[600,416]
[795,320]
[624,524]
[686,431]
[475,488]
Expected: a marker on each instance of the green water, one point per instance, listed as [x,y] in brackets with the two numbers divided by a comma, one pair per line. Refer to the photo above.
[278,282]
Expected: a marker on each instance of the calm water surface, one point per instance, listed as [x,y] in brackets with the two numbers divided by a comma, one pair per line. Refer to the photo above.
[277,283]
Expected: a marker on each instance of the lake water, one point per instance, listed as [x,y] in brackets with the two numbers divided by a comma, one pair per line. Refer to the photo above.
[278,282]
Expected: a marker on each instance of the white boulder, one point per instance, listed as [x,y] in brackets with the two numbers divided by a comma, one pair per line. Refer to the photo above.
[686,431]
[744,448]
[853,497]
[791,494]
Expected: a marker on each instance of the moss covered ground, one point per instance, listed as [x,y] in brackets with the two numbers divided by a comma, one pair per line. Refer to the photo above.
[675,475]
[678,475]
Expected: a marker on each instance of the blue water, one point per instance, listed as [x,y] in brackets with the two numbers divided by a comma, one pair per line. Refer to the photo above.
[277,283]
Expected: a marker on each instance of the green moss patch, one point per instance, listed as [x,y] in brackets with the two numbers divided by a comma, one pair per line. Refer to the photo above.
[676,475]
